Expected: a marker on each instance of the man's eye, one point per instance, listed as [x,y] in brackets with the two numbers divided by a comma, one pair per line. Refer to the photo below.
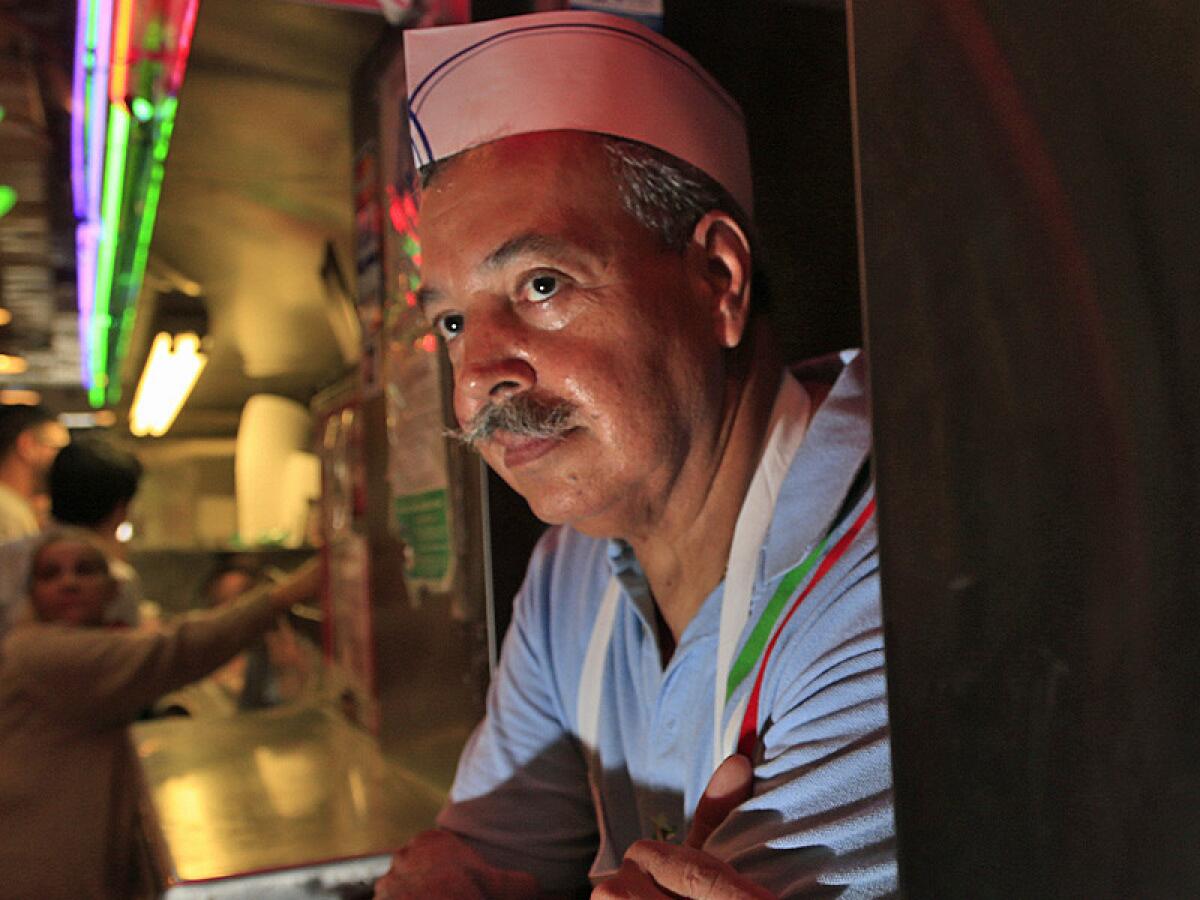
[449,325]
[542,287]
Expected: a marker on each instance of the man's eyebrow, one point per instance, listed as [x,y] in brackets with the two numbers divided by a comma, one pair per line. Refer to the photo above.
[426,296]
[530,242]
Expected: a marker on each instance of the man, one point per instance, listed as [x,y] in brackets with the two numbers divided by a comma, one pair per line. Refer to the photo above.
[712,582]
[91,483]
[30,437]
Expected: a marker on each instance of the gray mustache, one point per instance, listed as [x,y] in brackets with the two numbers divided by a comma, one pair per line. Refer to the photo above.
[521,415]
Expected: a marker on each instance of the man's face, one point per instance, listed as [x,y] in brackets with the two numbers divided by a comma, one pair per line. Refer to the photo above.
[545,288]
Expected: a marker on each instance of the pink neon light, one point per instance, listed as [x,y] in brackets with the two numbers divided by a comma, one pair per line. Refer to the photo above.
[86,237]
[187,25]
[98,111]
[78,112]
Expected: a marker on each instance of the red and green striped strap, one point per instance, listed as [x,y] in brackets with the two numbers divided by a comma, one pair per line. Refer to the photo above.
[754,647]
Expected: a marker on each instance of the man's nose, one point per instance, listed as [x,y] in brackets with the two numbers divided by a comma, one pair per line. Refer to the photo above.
[494,366]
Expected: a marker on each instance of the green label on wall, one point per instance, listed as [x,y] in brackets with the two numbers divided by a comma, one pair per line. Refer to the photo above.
[423,522]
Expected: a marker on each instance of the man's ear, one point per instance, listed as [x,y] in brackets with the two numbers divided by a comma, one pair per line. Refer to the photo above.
[27,445]
[727,265]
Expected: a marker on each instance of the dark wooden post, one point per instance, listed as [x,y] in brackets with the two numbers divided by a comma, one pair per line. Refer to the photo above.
[1029,179]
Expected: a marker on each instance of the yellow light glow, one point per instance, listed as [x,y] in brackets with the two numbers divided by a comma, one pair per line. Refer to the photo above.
[5,316]
[168,378]
[15,396]
[12,365]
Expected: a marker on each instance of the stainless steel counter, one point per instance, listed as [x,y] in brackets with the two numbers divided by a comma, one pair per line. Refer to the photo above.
[265,802]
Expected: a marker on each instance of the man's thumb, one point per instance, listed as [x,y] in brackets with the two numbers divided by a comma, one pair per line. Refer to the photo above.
[729,786]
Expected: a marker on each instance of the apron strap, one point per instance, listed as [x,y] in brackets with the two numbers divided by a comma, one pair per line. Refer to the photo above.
[591,681]
[748,733]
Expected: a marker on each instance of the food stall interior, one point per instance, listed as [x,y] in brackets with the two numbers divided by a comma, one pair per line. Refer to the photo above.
[1027,450]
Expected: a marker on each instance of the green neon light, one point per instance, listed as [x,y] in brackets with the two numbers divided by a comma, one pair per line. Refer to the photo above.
[2,112]
[142,109]
[8,199]
[141,253]
[110,217]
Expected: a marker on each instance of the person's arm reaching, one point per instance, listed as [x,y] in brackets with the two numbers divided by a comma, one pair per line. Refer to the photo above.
[103,676]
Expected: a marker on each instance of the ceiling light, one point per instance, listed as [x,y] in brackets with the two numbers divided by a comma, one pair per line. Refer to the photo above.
[170,374]
[19,397]
[12,365]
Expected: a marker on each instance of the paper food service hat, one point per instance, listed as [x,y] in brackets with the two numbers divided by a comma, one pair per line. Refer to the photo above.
[472,84]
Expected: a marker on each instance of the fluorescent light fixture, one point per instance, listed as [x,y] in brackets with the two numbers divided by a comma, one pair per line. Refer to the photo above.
[170,374]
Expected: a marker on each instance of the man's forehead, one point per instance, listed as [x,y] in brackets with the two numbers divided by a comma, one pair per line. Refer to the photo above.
[520,184]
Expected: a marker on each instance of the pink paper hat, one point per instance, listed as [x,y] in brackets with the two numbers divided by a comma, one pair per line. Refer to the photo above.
[471,84]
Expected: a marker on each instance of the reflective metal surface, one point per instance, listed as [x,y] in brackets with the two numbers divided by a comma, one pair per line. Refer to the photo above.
[279,789]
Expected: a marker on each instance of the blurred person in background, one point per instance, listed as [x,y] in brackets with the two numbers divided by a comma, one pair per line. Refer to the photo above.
[69,687]
[30,438]
[91,484]
[275,668]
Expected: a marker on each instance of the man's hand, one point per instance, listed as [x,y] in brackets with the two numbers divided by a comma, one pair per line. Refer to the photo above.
[438,864]
[653,870]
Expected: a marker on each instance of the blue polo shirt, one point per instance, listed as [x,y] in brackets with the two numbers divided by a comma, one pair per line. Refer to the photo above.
[821,814]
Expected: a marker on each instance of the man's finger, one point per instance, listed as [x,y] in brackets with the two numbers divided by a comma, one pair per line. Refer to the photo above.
[688,872]
[729,787]
[630,883]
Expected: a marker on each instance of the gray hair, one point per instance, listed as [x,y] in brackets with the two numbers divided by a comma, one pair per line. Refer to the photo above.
[669,196]
[666,195]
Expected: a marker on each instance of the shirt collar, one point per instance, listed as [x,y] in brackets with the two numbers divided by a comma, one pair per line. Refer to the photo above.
[834,449]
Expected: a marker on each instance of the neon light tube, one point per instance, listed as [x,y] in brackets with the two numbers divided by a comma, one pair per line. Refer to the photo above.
[110,218]
[162,143]
[118,87]
[187,26]
[166,382]
[97,107]
[86,240]
[88,118]
[79,78]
